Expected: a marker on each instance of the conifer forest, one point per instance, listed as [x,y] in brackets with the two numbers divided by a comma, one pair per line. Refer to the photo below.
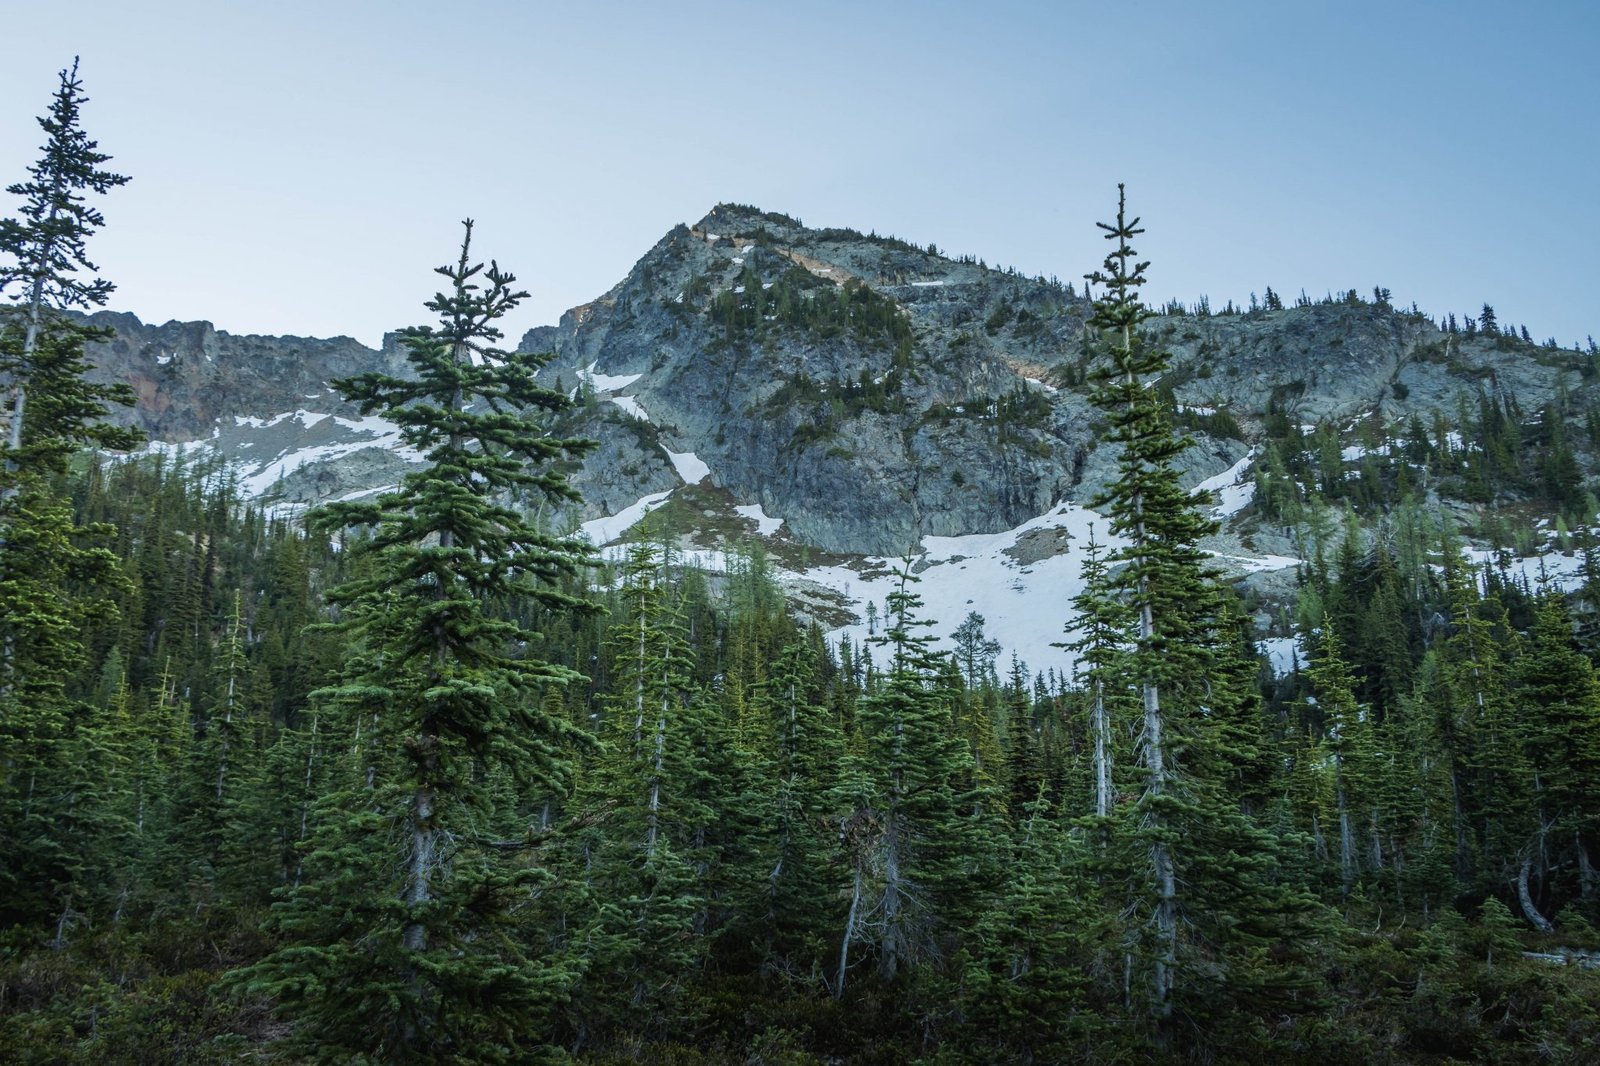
[422,777]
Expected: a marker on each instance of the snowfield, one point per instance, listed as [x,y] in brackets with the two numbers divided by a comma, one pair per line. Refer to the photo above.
[1026,607]
[690,467]
[1235,488]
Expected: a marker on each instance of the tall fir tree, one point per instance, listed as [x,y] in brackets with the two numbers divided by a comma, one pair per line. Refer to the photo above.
[398,943]
[57,576]
[1201,872]
[907,826]
[46,246]
[1163,578]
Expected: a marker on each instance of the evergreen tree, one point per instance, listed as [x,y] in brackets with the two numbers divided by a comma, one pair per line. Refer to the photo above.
[397,944]
[1348,728]
[1560,732]
[904,829]
[1163,580]
[46,245]
[805,771]
[1103,622]
[1200,731]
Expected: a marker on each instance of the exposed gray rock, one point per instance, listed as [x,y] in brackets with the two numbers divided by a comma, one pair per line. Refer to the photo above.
[188,375]
[861,443]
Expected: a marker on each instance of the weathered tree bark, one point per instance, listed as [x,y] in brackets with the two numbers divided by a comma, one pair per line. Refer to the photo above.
[653,806]
[1587,879]
[849,934]
[419,873]
[1525,897]
[1347,842]
[893,927]
[1102,753]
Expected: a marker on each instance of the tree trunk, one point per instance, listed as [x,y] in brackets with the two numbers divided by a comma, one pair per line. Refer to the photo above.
[1525,897]
[30,344]
[1587,878]
[1347,843]
[849,934]
[893,928]
[419,876]
[652,818]
[1102,754]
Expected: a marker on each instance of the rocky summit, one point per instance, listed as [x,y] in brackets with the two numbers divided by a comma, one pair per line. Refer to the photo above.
[850,398]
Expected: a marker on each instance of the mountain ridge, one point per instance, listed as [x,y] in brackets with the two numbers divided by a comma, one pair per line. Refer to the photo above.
[845,395]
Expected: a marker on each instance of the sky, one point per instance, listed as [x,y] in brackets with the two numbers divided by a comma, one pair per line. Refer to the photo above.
[300,168]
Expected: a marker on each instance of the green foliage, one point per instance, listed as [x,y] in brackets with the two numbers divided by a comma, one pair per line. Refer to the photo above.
[400,941]
[227,739]
[797,299]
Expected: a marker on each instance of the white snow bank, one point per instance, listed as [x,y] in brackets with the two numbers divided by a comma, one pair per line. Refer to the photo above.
[1025,607]
[605,530]
[765,525]
[1284,653]
[1258,564]
[1553,568]
[1235,488]
[689,466]
[631,406]
[606,382]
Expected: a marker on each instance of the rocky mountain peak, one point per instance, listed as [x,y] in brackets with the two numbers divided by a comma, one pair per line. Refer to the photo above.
[853,395]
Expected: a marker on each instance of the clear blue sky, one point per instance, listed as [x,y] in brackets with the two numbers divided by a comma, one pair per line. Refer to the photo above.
[299,167]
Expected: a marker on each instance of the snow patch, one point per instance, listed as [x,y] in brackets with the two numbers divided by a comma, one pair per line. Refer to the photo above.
[765,526]
[630,406]
[689,467]
[605,530]
[1553,569]
[606,382]
[1284,653]
[1025,606]
[1235,488]
[1258,564]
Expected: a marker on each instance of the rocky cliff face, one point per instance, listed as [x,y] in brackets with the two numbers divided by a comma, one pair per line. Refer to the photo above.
[866,393]
[846,383]
[190,375]
[974,417]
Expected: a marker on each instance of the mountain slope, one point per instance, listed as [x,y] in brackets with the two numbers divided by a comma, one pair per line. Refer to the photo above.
[854,399]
